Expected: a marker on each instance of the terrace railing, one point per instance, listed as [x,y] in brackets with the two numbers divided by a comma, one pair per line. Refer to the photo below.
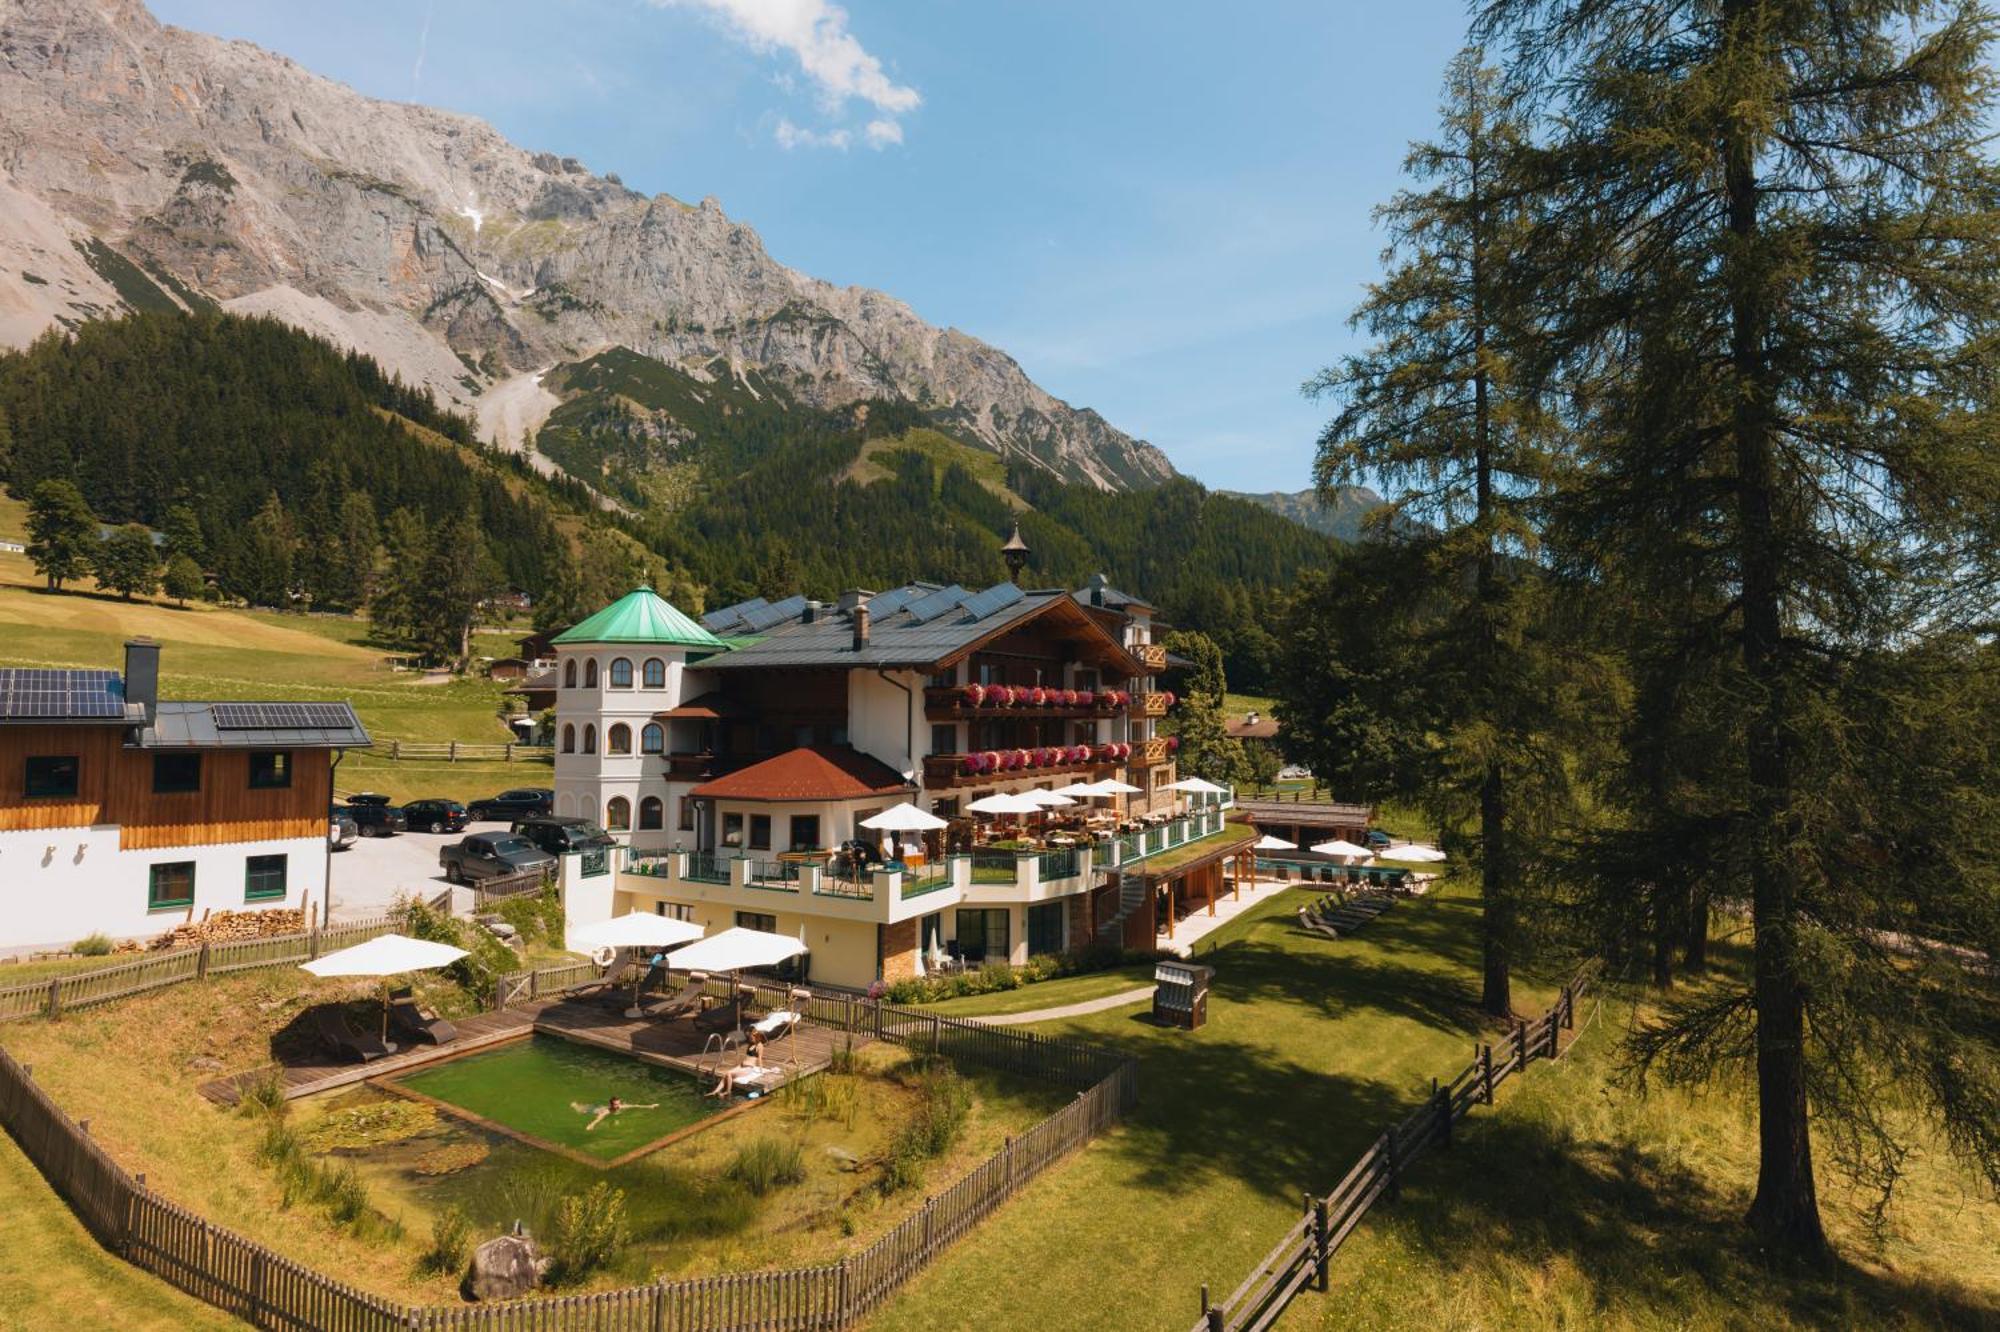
[1063,863]
[935,875]
[708,866]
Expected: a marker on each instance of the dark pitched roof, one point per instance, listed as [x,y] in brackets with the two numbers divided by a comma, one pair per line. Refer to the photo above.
[40,696]
[919,624]
[817,772]
[187,725]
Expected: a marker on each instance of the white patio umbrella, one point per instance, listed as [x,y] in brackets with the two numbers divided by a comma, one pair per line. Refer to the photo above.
[1080,790]
[1112,786]
[1195,786]
[903,818]
[1006,802]
[1340,847]
[1047,799]
[385,955]
[635,929]
[738,949]
[1410,851]
[1270,843]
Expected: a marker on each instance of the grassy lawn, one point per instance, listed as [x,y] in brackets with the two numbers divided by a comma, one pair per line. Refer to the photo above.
[53,1274]
[1580,1204]
[1235,705]
[1046,994]
[1231,834]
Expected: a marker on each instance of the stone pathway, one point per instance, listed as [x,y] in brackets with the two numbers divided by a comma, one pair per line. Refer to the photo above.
[1119,1000]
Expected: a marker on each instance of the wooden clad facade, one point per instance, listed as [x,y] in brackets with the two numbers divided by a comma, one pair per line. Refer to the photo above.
[115,786]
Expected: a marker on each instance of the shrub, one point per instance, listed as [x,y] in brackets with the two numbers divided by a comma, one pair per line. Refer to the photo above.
[537,917]
[93,945]
[830,1095]
[943,1103]
[588,1233]
[451,1240]
[843,1060]
[486,959]
[263,1094]
[766,1164]
[345,1196]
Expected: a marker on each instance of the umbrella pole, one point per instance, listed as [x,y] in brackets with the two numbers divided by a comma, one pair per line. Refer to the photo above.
[385,1010]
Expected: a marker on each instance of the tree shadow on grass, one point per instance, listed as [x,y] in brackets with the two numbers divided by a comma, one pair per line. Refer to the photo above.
[1646,1234]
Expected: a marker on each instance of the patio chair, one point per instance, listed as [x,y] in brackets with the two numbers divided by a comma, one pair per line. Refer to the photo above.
[682,1003]
[1314,925]
[332,1028]
[416,1023]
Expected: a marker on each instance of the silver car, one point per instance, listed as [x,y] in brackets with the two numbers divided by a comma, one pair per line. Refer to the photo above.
[341,832]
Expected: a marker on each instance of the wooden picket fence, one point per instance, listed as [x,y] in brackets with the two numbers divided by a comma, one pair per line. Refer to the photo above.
[1305,1255]
[267,1290]
[176,966]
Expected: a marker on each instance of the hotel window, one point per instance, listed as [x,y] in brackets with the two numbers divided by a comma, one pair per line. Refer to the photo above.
[655,673]
[590,674]
[263,878]
[175,774]
[621,673]
[652,813]
[673,911]
[170,885]
[569,674]
[982,935]
[589,738]
[1045,929]
[944,739]
[272,770]
[618,740]
[686,823]
[945,678]
[652,739]
[732,830]
[618,814]
[757,920]
[50,776]
[760,832]
[805,832]
[569,737]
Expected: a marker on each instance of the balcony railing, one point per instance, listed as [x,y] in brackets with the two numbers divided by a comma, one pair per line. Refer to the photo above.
[1154,751]
[945,770]
[708,866]
[930,878]
[1153,655]
[1151,705]
[960,702]
[689,766]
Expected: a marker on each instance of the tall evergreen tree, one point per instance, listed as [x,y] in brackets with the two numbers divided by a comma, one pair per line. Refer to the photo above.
[266,557]
[397,604]
[1778,294]
[182,529]
[1433,408]
[62,532]
[183,578]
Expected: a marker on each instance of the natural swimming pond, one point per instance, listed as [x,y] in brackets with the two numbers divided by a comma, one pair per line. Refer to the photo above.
[548,1089]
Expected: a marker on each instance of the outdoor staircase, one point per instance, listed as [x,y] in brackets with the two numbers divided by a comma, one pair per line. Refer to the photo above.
[1131,896]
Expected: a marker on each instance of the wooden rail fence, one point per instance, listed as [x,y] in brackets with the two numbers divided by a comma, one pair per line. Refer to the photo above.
[268,1290]
[466,751]
[1305,1255]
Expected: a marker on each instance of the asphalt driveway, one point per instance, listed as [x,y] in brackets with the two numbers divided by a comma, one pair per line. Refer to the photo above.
[369,876]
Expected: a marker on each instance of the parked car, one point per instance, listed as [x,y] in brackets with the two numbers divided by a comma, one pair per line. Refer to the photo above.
[435,815]
[341,831]
[559,835]
[491,855]
[374,816]
[520,803]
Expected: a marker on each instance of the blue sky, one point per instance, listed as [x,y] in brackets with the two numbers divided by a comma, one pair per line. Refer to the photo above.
[1160,209]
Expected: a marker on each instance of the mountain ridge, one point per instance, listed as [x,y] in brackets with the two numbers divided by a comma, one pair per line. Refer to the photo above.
[216,171]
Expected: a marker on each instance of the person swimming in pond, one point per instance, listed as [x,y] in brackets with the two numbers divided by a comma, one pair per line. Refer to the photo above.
[600,1113]
[748,1069]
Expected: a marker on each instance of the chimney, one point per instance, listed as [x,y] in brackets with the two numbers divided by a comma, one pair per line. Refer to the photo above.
[1098,582]
[860,614]
[854,596]
[813,608]
[142,675]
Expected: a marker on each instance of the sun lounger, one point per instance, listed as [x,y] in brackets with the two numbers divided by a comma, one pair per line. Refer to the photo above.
[1314,925]
[344,1040]
[776,1024]
[406,1019]
[682,1003]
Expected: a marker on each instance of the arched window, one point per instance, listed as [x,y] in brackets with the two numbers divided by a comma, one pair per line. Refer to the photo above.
[655,673]
[569,737]
[569,674]
[652,740]
[652,814]
[621,673]
[589,739]
[618,814]
[618,740]
[590,674]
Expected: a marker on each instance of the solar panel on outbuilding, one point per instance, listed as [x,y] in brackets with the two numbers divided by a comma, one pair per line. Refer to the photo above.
[31,693]
[280,716]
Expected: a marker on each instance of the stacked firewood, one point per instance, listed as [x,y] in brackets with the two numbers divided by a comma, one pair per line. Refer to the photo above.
[224,926]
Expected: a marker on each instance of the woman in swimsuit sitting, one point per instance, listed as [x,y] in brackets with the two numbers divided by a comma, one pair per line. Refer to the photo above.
[600,1113]
[749,1068]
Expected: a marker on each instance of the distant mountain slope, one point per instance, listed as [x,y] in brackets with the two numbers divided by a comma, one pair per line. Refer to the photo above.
[145,167]
[1342,519]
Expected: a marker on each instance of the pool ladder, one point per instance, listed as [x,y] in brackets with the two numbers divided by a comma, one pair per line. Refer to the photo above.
[719,1044]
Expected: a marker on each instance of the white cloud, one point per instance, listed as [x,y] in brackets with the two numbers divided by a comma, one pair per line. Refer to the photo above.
[815,33]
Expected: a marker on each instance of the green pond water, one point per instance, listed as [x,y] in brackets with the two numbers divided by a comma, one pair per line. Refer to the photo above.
[536,1087]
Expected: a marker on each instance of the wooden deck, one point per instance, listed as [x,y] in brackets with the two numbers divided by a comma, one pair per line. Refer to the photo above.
[303,1079]
[678,1043]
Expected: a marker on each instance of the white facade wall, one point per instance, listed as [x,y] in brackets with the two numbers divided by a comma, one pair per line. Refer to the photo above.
[59,884]
[888,722]
[586,783]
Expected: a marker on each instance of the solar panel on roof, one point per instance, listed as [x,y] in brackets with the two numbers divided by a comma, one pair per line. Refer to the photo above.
[281,716]
[35,692]
[769,616]
[993,600]
[892,601]
[938,603]
[728,615]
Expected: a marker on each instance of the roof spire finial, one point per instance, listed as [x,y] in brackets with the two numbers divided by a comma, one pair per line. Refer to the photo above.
[1015,552]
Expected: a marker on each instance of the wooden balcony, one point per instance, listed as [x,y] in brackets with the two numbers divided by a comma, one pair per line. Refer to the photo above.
[1154,655]
[1150,705]
[950,703]
[689,767]
[1150,753]
[944,771]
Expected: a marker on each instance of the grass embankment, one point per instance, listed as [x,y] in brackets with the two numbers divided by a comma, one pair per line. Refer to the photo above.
[1580,1204]
[1046,994]
[212,652]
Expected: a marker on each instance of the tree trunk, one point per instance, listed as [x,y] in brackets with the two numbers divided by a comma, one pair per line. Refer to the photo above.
[1694,950]
[1663,938]
[1785,1212]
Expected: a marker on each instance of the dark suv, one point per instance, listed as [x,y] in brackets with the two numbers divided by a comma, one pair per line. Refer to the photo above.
[435,815]
[520,803]
[374,815]
[559,836]
[491,856]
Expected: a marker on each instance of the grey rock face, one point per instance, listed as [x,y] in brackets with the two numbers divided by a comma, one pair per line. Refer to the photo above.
[428,240]
[505,1267]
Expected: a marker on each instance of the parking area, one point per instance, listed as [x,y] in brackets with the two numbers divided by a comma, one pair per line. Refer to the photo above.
[370,875]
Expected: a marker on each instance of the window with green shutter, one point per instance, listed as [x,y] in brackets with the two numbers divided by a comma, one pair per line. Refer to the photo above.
[170,885]
[263,878]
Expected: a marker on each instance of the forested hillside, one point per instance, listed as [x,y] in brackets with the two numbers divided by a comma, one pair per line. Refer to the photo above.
[265,432]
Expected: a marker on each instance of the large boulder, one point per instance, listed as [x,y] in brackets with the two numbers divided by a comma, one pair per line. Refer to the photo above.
[505,1267]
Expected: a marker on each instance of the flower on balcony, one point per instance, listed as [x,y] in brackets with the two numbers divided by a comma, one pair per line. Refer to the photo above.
[973,695]
[972,763]
[1173,744]
[1085,698]
[996,696]
[1167,698]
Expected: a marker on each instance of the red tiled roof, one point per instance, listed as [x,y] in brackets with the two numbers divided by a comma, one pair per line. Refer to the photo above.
[818,772]
[713,706]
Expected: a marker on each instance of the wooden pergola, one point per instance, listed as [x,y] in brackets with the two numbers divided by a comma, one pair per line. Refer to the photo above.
[1196,882]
